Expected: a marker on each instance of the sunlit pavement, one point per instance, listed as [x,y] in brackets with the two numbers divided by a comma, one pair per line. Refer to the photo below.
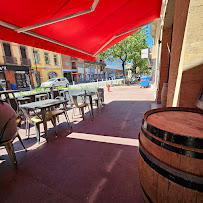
[97,162]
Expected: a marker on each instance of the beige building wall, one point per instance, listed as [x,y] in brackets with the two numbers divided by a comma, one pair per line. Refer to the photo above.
[185,86]
[44,68]
[15,52]
[15,49]
[1,53]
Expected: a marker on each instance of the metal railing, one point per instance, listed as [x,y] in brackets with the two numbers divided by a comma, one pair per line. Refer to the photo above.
[10,60]
[25,62]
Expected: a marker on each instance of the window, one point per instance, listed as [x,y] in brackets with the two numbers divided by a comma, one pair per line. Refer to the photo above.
[46,57]
[36,57]
[7,49]
[23,52]
[64,79]
[67,63]
[80,65]
[55,60]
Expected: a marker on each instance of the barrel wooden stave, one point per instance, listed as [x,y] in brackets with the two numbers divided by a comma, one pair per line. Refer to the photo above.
[159,187]
[178,161]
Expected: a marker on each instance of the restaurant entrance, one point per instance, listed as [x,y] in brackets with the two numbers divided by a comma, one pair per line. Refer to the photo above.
[22,79]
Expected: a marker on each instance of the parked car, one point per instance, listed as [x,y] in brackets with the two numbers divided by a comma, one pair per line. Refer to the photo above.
[56,82]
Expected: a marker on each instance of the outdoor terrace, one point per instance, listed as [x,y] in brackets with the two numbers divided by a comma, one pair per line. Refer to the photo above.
[97,162]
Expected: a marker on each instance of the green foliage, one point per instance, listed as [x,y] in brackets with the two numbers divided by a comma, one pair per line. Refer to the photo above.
[39,89]
[60,87]
[144,69]
[129,50]
[20,93]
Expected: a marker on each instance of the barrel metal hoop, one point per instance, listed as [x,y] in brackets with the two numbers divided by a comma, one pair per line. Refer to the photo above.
[171,148]
[179,177]
[146,195]
[183,140]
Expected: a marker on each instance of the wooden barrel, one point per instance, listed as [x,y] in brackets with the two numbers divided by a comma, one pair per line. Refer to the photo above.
[164,92]
[170,155]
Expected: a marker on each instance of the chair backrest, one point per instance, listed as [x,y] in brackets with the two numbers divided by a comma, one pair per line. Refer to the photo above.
[101,93]
[27,115]
[74,92]
[75,101]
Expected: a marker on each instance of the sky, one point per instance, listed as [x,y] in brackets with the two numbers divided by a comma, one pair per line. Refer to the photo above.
[149,38]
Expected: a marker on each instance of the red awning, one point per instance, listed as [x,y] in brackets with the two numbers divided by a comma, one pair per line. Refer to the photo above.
[80,28]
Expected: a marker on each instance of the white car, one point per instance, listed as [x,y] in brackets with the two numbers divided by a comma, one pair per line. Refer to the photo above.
[56,82]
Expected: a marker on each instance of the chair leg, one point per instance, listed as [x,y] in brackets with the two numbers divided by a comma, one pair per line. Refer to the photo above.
[21,142]
[83,114]
[37,127]
[57,118]
[67,119]
[11,154]
[73,112]
[28,130]
[97,103]
[90,111]
[53,120]
[26,127]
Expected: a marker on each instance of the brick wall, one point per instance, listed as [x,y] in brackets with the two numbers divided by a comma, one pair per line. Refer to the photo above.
[10,76]
[64,59]
[180,18]
[166,41]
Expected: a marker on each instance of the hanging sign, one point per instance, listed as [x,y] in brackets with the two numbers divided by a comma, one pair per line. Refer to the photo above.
[144,53]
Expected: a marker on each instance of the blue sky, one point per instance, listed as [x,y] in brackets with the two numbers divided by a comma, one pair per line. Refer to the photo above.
[149,38]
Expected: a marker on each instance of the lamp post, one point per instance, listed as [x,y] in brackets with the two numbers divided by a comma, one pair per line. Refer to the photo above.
[36,72]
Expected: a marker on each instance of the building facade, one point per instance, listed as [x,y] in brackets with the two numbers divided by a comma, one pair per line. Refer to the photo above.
[44,65]
[178,52]
[80,70]
[15,66]
[113,69]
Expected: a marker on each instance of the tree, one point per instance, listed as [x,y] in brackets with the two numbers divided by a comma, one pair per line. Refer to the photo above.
[128,50]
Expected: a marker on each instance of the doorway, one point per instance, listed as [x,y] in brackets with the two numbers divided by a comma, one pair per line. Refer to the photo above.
[22,79]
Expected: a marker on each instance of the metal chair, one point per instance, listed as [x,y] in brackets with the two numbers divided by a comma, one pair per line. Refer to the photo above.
[98,98]
[71,102]
[36,120]
[62,110]
[81,106]
[8,133]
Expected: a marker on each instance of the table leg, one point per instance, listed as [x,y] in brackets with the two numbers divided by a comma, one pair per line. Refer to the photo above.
[8,99]
[91,105]
[16,102]
[44,118]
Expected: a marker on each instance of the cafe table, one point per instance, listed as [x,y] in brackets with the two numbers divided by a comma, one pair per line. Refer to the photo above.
[43,105]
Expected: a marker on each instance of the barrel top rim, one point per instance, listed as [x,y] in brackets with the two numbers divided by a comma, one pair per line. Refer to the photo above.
[197,141]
